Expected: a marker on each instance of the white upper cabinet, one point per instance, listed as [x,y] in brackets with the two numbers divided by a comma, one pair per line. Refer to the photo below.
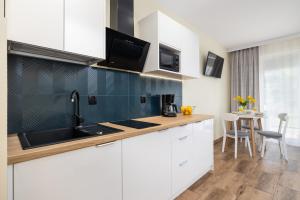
[36,22]
[92,173]
[147,167]
[75,26]
[169,31]
[84,27]
[190,56]
[159,29]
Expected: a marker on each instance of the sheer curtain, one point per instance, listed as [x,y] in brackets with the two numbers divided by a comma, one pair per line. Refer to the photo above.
[280,85]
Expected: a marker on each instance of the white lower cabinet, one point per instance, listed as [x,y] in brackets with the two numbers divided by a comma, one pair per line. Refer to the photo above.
[147,167]
[192,154]
[10,183]
[181,160]
[92,173]
[202,153]
[158,165]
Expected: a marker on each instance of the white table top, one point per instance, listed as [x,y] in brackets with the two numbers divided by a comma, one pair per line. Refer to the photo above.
[255,115]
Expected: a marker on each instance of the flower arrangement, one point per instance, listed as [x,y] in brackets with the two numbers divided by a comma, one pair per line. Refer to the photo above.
[245,102]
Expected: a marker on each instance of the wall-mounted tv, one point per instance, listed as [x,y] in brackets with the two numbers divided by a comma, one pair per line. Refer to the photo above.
[214,65]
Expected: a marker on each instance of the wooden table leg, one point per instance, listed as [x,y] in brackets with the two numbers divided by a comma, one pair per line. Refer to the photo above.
[239,124]
[252,137]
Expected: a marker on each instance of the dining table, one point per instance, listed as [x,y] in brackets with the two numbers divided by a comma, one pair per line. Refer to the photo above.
[250,118]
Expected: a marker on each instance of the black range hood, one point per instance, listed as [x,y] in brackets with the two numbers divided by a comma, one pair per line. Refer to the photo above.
[123,50]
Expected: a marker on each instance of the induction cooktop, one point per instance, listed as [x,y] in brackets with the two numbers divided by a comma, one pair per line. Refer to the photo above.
[135,124]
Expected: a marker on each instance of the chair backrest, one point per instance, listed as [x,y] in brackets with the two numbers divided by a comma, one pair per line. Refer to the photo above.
[229,117]
[283,123]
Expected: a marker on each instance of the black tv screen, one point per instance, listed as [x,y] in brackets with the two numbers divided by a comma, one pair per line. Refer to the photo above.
[214,65]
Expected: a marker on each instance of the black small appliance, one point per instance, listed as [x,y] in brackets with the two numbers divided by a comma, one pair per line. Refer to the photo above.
[169,109]
[169,59]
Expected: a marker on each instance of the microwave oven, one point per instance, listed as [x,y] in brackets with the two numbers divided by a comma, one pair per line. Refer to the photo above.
[169,59]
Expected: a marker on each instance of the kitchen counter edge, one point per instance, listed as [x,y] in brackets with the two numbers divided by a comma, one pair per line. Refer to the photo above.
[17,155]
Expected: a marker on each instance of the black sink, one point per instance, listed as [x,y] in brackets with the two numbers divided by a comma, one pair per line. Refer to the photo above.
[43,138]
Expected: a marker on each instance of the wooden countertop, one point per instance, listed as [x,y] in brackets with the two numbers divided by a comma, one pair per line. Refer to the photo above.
[16,154]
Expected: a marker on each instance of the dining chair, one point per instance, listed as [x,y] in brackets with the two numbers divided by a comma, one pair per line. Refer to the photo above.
[276,135]
[235,134]
[256,128]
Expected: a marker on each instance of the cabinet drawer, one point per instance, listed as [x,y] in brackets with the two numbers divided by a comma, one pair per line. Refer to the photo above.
[181,175]
[181,143]
[182,131]
[198,127]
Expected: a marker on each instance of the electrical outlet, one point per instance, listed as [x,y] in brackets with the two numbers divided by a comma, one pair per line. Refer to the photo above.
[92,100]
[143,99]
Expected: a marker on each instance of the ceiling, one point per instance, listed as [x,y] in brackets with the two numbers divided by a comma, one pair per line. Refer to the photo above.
[238,24]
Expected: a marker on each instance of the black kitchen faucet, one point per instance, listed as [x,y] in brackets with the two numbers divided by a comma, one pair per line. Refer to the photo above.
[76,116]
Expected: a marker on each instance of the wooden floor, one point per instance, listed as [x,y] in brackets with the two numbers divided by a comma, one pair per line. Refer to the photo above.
[249,179]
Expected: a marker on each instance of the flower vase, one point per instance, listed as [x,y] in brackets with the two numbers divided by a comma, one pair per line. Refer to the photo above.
[242,108]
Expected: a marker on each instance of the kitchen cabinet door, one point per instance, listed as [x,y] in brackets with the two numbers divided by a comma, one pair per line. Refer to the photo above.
[147,167]
[37,22]
[181,159]
[190,58]
[85,27]
[92,173]
[10,186]
[202,148]
[169,32]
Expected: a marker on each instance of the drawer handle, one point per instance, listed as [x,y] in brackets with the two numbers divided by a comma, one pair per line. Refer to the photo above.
[183,163]
[105,144]
[183,138]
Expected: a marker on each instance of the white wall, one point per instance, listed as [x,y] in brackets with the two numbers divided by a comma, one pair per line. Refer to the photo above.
[209,95]
[3,105]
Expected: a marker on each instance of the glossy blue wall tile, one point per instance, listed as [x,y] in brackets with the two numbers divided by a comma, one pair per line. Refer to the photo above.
[39,94]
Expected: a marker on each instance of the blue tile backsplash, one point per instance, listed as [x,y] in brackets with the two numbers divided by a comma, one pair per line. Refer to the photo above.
[39,94]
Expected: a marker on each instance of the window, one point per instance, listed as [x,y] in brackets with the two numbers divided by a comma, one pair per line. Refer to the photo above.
[280,85]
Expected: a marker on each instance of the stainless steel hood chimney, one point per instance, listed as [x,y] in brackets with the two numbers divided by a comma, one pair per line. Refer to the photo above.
[121,16]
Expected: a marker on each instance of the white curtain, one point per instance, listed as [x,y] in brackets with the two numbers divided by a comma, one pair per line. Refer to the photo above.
[280,85]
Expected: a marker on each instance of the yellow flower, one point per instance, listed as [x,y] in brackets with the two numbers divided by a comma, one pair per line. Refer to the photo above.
[242,100]
[237,98]
[252,100]
[250,97]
